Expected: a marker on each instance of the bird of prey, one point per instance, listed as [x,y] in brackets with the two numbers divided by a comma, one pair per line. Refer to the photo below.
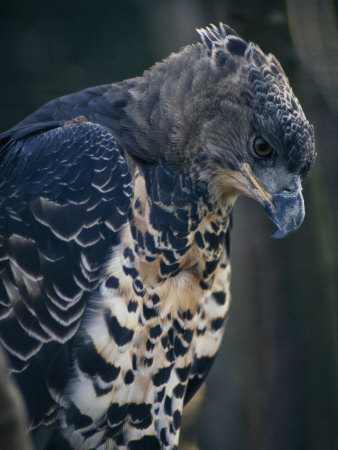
[115,210]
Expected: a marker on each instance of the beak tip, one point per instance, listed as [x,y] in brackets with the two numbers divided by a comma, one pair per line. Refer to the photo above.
[280,234]
[288,216]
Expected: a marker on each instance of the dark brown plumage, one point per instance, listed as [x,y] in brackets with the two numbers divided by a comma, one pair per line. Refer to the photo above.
[114,222]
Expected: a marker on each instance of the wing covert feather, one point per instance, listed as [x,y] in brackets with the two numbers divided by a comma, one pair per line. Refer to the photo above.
[65,192]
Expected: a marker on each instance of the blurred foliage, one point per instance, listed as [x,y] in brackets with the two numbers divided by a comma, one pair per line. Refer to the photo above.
[274,384]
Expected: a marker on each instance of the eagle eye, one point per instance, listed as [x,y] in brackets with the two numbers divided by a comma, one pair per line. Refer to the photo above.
[261,147]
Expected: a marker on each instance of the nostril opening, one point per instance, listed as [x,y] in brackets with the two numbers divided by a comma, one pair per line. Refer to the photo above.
[287,191]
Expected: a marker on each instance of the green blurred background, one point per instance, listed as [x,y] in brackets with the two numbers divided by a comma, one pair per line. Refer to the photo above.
[274,384]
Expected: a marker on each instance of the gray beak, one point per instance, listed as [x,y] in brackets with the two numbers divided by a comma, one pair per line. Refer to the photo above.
[286,209]
[283,201]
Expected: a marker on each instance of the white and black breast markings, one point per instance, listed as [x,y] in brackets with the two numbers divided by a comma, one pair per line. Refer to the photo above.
[150,337]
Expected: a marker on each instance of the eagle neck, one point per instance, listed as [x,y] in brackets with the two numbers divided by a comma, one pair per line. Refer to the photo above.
[156,109]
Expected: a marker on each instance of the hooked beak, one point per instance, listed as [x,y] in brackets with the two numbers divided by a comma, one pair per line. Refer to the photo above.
[288,211]
[285,206]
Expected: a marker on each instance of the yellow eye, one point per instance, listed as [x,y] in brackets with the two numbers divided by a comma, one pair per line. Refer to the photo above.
[262,148]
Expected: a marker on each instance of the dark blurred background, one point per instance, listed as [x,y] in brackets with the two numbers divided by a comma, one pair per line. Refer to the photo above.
[274,384]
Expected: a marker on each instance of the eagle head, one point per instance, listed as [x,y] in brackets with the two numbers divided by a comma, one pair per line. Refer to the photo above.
[224,113]
[255,139]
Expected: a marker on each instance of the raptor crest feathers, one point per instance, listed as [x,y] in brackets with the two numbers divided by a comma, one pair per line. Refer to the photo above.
[222,42]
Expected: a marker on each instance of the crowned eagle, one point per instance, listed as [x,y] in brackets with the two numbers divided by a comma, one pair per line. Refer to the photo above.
[115,213]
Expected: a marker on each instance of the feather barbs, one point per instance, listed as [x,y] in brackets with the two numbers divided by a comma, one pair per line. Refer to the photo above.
[222,42]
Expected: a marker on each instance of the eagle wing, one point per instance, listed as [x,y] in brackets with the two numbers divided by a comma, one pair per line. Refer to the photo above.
[65,192]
